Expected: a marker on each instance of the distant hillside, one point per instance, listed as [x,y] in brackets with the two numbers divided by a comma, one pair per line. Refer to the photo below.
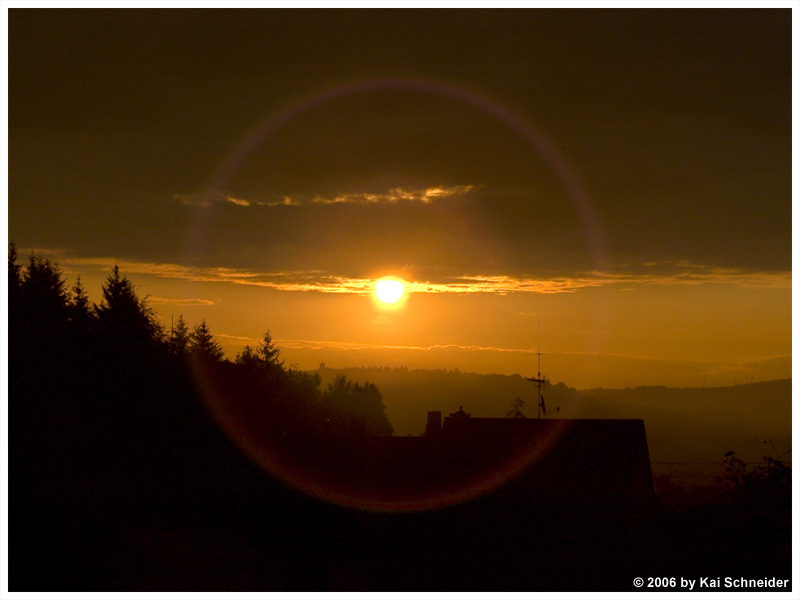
[686,425]
[683,425]
[410,394]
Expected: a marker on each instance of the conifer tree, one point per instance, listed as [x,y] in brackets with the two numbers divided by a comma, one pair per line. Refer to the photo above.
[268,351]
[248,358]
[181,336]
[123,316]
[14,275]
[14,291]
[43,290]
[81,311]
[203,345]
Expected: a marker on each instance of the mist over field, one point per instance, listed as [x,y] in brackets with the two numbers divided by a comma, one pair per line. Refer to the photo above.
[685,426]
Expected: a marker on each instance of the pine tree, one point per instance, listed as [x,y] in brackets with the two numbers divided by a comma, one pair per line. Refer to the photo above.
[181,336]
[42,308]
[248,358]
[203,345]
[43,289]
[40,349]
[123,316]
[268,351]
[14,291]
[14,276]
[81,312]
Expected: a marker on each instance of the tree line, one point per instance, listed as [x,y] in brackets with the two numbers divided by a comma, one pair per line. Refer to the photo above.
[108,374]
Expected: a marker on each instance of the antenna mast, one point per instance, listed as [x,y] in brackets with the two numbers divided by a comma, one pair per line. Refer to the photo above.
[539,380]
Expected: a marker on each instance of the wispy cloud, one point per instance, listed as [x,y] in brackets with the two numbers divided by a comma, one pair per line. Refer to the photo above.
[772,365]
[397,195]
[208,198]
[663,274]
[290,281]
[500,284]
[714,367]
[237,339]
[393,196]
[159,301]
[332,345]
[686,273]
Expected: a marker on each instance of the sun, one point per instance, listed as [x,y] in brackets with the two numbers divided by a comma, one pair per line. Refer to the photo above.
[389,291]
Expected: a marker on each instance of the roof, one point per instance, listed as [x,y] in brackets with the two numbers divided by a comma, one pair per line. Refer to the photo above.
[566,462]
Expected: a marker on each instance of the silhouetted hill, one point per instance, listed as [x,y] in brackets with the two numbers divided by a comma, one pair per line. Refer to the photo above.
[410,394]
[701,424]
[683,425]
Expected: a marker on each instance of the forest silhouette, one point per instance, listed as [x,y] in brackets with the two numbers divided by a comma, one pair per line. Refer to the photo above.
[71,357]
[108,407]
[133,466]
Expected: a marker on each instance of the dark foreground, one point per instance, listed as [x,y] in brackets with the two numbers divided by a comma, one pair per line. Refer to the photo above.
[192,513]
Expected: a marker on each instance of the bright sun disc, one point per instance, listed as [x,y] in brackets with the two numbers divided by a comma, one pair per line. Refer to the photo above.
[389,290]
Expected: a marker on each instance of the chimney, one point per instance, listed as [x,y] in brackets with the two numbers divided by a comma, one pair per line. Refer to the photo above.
[434,426]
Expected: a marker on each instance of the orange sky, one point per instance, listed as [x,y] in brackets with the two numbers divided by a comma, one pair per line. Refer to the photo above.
[621,178]
[719,331]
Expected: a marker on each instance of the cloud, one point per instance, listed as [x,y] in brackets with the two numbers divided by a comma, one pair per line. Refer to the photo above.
[331,345]
[240,339]
[323,282]
[501,284]
[686,273]
[209,198]
[398,195]
[780,363]
[159,301]
[657,274]
[393,196]
[772,364]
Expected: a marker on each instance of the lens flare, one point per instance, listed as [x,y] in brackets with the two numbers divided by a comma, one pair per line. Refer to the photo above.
[322,474]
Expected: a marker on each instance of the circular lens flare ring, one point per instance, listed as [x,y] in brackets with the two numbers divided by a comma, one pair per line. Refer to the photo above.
[389,291]
[254,445]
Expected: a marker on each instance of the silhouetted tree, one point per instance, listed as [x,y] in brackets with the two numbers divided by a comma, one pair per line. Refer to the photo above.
[307,384]
[268,351]
[763,490]
[264,359]
[43,291]
[14,279]
[203,345]
[515,411]
[81,311]
[756,502]
[346,403]
[81,358]
[49,377]
[40,333]
[127,321]
[734,471]
[181,337]
[248,358]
